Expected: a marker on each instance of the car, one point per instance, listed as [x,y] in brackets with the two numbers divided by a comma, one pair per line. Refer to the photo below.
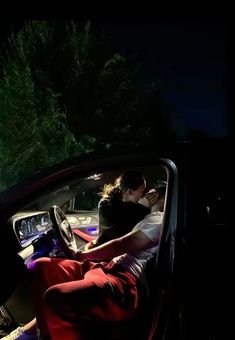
[189,281]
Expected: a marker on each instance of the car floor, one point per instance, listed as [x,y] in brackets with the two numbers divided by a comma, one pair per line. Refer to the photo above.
[18,310]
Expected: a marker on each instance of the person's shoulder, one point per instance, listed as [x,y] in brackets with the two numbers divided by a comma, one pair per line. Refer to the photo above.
[105,205]
[104,201]
[143,209]
[137,207]
[141,206]
[154,217]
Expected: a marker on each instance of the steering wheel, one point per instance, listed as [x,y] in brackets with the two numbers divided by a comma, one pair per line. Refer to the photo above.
[62,230]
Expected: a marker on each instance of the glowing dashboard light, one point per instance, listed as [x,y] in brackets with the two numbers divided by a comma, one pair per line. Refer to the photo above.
[93,230]
[85,220]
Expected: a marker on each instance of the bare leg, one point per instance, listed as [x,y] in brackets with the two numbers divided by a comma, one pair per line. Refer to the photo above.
[31,327]
[30,331]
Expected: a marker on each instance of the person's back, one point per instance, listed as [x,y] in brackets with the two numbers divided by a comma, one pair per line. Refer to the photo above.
[136,263]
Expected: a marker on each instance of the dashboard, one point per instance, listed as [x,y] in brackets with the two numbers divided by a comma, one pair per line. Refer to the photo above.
[29,226]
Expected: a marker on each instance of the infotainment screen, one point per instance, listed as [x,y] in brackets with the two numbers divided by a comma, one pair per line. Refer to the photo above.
[29,227]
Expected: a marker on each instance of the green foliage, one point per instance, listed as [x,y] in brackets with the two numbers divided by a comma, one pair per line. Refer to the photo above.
[63,91]
[33,126]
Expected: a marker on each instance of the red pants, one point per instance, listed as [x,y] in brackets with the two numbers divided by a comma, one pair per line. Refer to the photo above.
[67,293]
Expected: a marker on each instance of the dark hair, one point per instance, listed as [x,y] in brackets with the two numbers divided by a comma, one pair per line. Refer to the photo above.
[160,187]
[130,179]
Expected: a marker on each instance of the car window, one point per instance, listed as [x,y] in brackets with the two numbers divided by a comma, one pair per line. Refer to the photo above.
[84,193]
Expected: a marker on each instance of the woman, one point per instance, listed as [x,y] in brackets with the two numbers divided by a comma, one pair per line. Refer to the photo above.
[119,210]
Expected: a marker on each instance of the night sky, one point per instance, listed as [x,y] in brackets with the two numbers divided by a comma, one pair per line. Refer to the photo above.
[189,56]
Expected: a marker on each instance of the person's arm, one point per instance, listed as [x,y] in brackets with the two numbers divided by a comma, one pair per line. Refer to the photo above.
[130,243]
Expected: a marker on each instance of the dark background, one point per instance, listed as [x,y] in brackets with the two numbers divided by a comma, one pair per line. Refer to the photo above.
[187,56]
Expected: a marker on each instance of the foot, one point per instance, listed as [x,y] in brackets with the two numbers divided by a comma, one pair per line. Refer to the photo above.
[20,334]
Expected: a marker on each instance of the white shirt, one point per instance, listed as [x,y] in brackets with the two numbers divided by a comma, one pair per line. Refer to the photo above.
[151,226]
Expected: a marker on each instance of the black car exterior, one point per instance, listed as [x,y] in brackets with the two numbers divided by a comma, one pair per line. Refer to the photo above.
[190,283]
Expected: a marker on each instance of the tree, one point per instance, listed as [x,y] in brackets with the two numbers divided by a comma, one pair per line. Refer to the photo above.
[64,91]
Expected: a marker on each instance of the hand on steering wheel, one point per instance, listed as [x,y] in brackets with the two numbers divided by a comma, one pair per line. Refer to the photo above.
[62,230]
